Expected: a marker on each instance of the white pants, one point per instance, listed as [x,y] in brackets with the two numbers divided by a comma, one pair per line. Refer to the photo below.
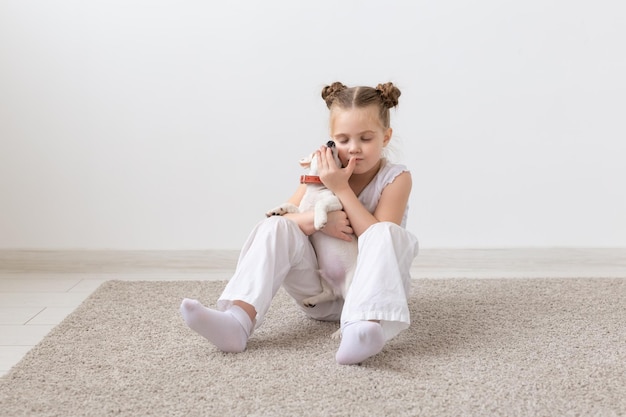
[278,253]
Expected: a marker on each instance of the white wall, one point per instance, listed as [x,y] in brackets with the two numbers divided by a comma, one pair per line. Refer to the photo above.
[130,124]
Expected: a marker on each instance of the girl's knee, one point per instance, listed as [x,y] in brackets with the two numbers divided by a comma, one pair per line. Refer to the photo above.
[389,227]
[390,232]
[279,223]
[275,221]
[386,229]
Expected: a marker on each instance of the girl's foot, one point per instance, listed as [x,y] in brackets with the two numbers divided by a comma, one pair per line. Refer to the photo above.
[228,330]
[359,341]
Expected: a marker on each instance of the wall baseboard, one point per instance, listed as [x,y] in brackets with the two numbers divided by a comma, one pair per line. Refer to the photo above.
[431,263]
[111,261]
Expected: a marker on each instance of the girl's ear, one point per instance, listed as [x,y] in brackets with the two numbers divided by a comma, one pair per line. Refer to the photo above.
[387,136]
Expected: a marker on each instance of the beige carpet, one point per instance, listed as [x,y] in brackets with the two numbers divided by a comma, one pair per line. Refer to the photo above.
[525,347]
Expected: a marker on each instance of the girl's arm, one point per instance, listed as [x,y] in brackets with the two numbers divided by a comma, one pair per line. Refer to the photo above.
[337,226]
[391,205]
[304,220]
[390,208]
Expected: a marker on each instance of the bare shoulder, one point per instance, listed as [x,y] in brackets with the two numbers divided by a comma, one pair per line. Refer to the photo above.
[394,198]
[400,186]
[401,181]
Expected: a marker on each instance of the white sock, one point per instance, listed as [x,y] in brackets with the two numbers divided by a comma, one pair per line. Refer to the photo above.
[228,330]
[359,341]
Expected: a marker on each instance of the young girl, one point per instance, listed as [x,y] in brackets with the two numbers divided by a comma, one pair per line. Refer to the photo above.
[374,194]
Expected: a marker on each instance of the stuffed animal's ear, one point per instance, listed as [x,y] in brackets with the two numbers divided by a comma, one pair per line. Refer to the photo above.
[306,161]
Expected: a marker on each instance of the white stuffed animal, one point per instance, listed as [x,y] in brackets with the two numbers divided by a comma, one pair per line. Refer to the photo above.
[336,258]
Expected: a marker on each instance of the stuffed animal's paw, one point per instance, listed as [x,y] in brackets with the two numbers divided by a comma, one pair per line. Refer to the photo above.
[320,219]
[319,225]
[308,302]
[282,209]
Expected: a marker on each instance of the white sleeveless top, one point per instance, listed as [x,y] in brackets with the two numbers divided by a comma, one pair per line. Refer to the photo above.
[370,195]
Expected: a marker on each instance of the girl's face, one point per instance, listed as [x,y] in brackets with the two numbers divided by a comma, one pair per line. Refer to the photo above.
[358,133]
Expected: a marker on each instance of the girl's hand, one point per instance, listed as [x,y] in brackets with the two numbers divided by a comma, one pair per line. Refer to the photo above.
[338,226]
[334,178]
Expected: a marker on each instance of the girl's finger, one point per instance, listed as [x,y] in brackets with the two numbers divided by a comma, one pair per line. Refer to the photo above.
[318,155]
[330,160]
[351,165]
[321,156]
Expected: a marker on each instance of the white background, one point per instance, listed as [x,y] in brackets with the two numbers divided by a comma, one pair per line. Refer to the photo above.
[177,124]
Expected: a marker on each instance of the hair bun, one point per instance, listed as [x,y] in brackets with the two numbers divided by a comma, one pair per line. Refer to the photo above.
[389,94]
[330,92]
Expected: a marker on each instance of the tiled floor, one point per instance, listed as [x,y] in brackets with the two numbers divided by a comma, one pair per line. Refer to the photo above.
[32,304]
[38,289]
